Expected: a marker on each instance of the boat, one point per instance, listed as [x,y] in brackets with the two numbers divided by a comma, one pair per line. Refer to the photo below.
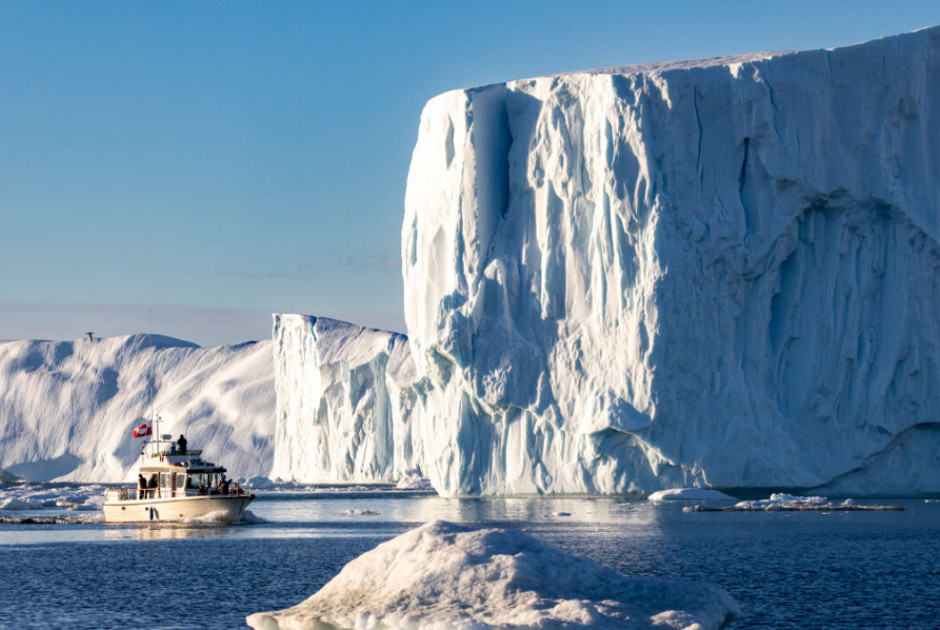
[175,484]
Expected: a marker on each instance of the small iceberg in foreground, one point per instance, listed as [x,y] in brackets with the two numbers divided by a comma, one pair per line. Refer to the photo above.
[690,494]
[442,575]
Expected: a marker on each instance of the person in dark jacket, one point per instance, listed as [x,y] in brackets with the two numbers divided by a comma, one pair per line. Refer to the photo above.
[182,444]
[141,487]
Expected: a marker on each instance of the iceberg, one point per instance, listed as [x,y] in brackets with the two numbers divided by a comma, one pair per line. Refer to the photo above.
[67,408]
[720,273]
[442,575]
[345,400]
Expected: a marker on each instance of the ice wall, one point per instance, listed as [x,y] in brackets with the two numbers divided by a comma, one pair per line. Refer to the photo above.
[344,402]
[67,408]
[720,272]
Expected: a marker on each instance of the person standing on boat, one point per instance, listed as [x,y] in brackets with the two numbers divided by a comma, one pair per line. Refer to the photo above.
[223,487]
[152,485]
[141,486]
[182,444]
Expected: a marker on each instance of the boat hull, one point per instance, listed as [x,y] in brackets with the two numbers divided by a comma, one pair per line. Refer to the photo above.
[223,508]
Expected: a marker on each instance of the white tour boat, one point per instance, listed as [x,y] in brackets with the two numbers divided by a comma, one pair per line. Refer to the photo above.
[174,484]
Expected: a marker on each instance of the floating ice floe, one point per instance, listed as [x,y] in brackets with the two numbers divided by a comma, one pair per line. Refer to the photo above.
[13,503]
[358,512]
[794,503]
[38,496]
[442,575]
[690,494]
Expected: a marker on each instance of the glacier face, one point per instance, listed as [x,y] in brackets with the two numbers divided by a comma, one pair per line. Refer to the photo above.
[67,408]
[345,401]
[717,273]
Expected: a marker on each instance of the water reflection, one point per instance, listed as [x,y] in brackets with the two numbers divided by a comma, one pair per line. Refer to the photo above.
[164,531]
[420,509]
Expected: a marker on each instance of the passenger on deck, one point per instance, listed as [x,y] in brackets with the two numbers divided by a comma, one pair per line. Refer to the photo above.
[141,487]
[152,485]
[182,444]
[223,487]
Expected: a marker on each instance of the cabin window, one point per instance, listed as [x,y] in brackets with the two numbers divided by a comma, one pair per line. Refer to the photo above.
[166,480]
[180,482]
[198,481]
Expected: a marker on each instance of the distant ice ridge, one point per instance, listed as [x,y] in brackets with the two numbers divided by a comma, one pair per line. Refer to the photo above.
[345,400]
[67,408]
[442,575]
[713,274]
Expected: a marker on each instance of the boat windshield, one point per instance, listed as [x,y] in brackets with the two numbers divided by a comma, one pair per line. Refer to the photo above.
[202,481]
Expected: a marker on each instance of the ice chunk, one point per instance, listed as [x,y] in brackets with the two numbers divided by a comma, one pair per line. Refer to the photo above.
[794,503]
[359,512]
[442,575]
[690,494]
[411,480]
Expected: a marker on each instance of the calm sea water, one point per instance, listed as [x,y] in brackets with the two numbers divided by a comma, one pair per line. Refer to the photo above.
[786,570]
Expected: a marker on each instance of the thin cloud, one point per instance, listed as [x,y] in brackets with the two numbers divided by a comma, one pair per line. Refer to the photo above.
[375,263]
[231,273]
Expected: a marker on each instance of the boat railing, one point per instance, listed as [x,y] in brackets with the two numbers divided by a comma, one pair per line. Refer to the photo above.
[141,494]
[190,452]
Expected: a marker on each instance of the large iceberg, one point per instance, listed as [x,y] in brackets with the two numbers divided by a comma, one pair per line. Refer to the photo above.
[712,273]
[442,575]
[345,400]
[67,408]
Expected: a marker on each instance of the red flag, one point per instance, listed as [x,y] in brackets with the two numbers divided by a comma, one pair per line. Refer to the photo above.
[143,431]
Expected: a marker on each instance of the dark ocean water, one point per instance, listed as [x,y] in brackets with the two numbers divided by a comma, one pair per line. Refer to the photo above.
[786,570]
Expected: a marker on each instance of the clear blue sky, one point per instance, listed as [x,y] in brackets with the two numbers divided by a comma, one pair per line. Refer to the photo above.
[188,168]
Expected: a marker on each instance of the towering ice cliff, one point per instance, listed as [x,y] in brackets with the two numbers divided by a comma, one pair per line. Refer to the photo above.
[721,272]
[345,400]
[67,408]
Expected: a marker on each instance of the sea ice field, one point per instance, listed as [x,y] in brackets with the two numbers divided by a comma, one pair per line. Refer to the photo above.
[785,569]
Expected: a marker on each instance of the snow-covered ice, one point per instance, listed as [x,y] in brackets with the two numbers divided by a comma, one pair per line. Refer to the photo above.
[67,408]
[690,494]
[719,273]
[442,575]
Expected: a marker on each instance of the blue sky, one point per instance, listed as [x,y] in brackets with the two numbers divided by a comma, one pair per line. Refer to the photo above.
[188,168]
